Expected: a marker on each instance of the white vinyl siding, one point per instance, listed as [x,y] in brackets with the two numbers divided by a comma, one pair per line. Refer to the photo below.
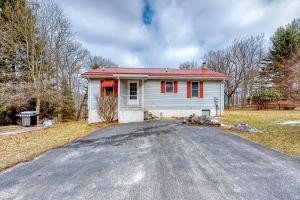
[93,94]
[154,100]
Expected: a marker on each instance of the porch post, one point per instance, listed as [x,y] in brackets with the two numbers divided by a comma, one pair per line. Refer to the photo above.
[143,94]
[119,97]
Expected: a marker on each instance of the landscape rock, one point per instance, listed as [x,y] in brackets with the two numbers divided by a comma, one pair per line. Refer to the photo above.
[202,120]
[149,116]
[246,128]
[226,126]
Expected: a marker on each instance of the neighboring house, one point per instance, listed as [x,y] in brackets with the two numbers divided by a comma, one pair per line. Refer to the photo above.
[162,92]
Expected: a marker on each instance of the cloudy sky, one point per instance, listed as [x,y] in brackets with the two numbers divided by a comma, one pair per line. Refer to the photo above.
[165,33]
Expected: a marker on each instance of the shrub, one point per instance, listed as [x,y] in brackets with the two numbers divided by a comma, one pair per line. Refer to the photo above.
[266,95]
[107,106]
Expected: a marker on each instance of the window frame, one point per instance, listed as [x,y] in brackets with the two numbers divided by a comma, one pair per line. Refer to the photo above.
[195,89]
[137,90]
[166,86]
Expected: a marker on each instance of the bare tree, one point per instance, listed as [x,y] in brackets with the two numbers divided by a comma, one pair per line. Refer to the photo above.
[248,55]
[98,61]
[189,65]
[241,60]
[74,59]
[220,61]
[59,36]
[38,50]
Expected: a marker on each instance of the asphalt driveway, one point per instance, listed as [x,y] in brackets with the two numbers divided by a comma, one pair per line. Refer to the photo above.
[155,160]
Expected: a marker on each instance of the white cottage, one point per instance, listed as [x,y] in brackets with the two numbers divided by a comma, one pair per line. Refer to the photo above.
[162,92]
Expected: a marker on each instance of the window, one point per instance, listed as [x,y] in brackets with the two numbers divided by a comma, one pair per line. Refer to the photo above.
[195,89]
[109,91]
[133,91]
[169,86]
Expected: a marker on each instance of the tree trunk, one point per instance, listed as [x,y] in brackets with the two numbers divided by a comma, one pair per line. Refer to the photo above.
[38,108]
[229,102]
[232,101]
[81,105]
[250,101]
[243,99]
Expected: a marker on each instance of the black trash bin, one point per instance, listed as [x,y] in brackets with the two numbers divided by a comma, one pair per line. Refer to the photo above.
[28,118]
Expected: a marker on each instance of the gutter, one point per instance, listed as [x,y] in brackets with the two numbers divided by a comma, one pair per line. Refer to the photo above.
[127,76]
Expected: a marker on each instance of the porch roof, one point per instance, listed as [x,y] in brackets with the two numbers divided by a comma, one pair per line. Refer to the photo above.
[153,72]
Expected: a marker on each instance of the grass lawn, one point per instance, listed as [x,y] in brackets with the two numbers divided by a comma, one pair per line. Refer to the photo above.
[23,147]
[285,138]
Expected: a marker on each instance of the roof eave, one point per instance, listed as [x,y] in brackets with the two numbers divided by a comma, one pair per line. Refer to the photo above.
[142,76]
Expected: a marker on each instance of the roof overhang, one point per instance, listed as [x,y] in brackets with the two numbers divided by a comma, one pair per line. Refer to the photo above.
[154,73]
[189,77]
[141,76]
[131,76]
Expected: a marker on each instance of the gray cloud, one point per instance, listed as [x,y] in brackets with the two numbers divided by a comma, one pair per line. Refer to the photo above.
[178,30]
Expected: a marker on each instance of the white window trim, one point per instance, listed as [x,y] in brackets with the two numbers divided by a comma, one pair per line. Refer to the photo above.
[172,86]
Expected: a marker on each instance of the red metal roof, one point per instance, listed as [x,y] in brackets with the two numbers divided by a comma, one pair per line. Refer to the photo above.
[154,72]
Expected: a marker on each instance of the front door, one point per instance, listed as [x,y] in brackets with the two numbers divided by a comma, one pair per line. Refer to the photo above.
[133,93]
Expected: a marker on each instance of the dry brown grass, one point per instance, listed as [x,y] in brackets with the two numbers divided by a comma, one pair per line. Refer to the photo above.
[285,138]
[23,147]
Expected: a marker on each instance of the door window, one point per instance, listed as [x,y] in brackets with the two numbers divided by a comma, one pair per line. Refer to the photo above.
[133,91]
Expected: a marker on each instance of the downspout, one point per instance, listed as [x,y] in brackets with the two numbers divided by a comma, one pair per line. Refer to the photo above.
[218,101]
[143,92]
[89,99]
[119,97]
[222,97]
[220,106]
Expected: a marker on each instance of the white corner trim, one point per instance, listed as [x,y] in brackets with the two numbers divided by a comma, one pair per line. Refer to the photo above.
[119,97]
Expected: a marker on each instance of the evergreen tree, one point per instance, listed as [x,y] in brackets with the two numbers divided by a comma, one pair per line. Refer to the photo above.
[10,62]
[11,11]
[67,110]
[285,44]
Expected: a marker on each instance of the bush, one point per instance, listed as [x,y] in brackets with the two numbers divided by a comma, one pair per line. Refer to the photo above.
[266,95]
[107,106]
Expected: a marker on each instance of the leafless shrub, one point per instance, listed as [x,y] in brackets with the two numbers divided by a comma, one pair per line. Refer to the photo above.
[107,108]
